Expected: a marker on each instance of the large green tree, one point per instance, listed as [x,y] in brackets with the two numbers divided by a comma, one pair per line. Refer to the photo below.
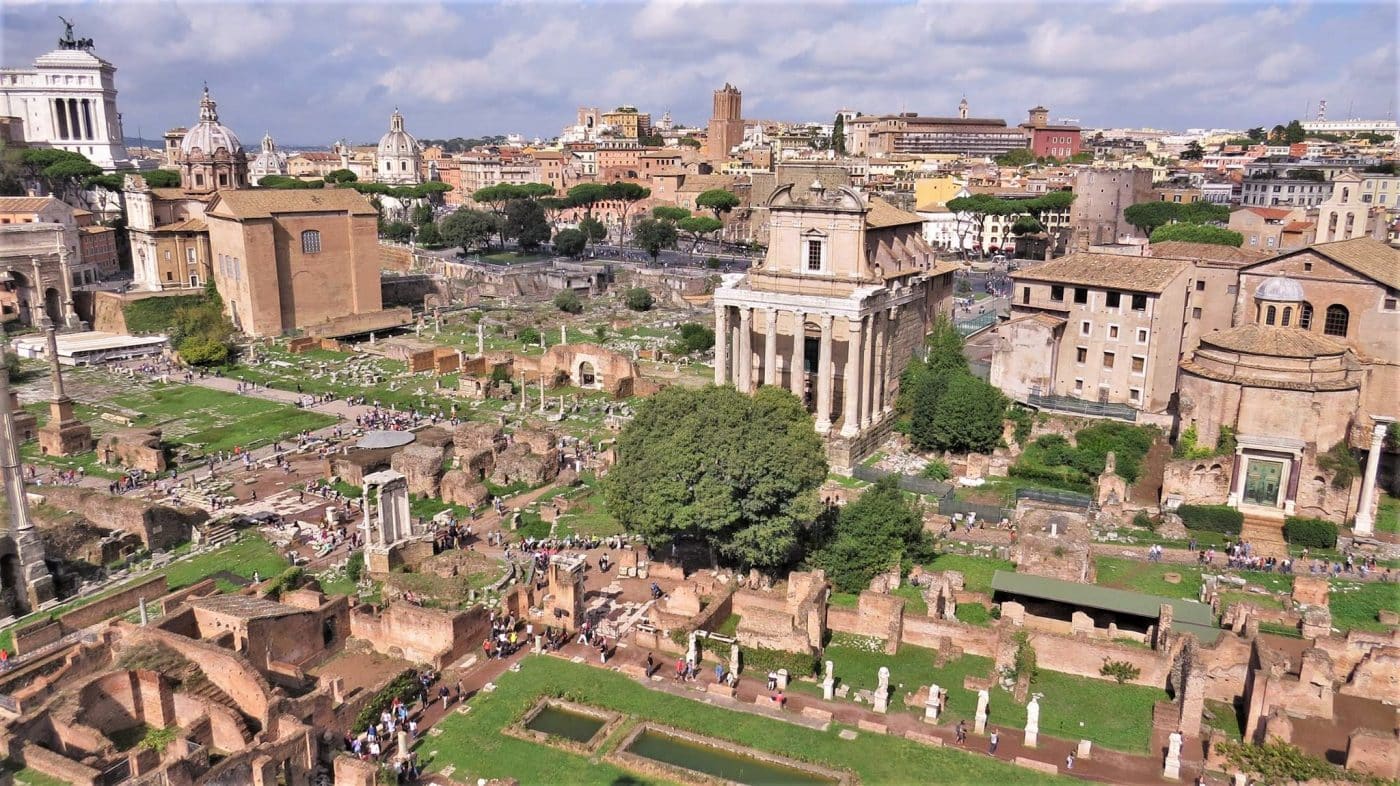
[669,213]
[629,194]
[1193,152]
[737,473]
[967,420]
[717,200]
[696,227]
[526,222]
[652,235]
[570,242]
[593,229]
[468,228]
[871,535]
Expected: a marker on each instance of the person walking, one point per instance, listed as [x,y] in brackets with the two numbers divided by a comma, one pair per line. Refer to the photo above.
[960,733]
[992,743]
[1069,761]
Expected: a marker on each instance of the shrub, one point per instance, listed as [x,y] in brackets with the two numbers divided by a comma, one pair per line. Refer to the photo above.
[762,660]
[639,299]
[1120,670]
[1141,519]
[1212,518]
[1313,533]
[1025,662]
[568,302]
[528,336]
[937,470]
[355,566]
[288,579]
[1024,420]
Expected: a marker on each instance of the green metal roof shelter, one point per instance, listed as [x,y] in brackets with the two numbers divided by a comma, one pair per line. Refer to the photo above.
[1188,616]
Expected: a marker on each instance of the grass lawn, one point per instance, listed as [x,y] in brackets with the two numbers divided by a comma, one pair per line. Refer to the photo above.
[250,554]
[1140,575]
[1388,515]
[215,420]
[29,776]
[1121,720]
[1227,719]
[473,743]
[973,614]
[1262,601]
[914,599]
[1355,604]
[977,571]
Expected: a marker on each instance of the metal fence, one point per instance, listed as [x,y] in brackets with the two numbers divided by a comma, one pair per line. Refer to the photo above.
[1078,406]
[914,483]
[969,325]
[1053,496]
[951,506]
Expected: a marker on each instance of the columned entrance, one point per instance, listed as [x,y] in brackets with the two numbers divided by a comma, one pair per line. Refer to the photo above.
[1263,481]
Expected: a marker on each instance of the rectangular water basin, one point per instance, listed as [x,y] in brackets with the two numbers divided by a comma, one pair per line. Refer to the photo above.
[722,760]
[559,721]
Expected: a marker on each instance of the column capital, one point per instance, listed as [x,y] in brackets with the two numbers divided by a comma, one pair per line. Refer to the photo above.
[855,324]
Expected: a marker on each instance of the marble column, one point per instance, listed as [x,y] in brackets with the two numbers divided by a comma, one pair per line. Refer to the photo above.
[721,345]
[1365,518]
[824,374]
[850,419]
[797,370]
[746,349]
[10,467]
[867,378]
[770,347]
[734,354]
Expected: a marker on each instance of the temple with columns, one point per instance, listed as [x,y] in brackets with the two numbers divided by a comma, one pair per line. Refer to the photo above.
[842,301]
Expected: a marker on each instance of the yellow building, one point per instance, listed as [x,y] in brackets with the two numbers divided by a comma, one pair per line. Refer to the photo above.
[935,191]
[628,123]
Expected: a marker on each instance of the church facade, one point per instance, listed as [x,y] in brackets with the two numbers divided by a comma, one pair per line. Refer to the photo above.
[834,313]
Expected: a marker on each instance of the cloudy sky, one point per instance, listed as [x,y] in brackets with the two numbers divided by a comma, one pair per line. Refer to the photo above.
[313,72]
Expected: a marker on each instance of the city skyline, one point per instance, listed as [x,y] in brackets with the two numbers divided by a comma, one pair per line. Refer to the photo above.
[1096,62]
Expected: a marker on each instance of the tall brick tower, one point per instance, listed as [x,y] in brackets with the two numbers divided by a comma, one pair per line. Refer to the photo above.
[726,127]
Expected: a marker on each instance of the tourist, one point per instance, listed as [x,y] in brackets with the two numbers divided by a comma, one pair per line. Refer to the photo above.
[772,680]
[992,743]
[4,659]
[1069,761]
[960,733]
[443,693]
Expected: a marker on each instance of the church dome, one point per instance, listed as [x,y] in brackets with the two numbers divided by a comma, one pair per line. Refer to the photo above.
[208,136]
[397,142]
[1280,289]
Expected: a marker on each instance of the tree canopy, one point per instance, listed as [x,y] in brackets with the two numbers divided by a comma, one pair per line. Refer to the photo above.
[1193,152]
[570,242]
[838,135]
[696,227]
[737,473]
[1147,216]
[653,235]
[669,213]
[942,406]
[468,228]
[1198,233]
[162,178]
[568,302]
[525,221]
[1016,158]
[341,176]
[871,535]
[638,299]
[593,229]
[718,200]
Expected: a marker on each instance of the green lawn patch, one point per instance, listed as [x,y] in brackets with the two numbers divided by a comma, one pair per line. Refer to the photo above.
[156,314]
[977,571]
[914,599]
[29,776]
[1140,575]
[845,600]
[973,614]
[1227,719]
[473,744]
[729,626]
[250,554]
[1355,605]
[1388,515]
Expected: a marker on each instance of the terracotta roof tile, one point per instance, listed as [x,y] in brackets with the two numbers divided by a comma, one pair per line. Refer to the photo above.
[24,204]
[1180,249]
[1111,271]
[882,214]
[1365,255]
[1255,339]
[263,202]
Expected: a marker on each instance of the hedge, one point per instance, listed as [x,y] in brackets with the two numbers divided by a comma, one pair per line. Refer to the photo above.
[761,660]
[1313,533]
[1212,518]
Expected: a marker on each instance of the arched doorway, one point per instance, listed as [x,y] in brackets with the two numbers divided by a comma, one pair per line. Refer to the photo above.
[328,631]
[53,305]
[587,376]
[16,296]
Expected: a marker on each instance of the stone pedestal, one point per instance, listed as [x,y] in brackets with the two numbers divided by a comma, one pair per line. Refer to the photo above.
[1086,749]
[1171,768]
[933,705]
[1033,722]
[828,683]
[64,434]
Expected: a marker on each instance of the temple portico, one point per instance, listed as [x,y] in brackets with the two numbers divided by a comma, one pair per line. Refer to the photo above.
[834,313]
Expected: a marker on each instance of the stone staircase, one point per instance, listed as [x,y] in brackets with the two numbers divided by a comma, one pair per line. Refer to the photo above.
[1263,530]
[216,535]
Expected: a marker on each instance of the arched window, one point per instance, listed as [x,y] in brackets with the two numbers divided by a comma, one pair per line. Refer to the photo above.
[310,242]
[1287,315]
[1337,320]
[1269,315]
[1305,313]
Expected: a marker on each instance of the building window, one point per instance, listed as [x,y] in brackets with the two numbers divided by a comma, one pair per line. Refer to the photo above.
[814,255]
[1287,316]
[1270,314]
[1081,295]
[1139,364]
[1391,304]
[1195,313]
[1108,359]
[1113,299]
[1337,320]
[1200,286]
[1085,328]
[1057,293]
[223,178]
[1134,394]
[1305,315]
[1142,335]
[198,179]
[1079,386]
[1113,331]
[310,242]
[1081,354]
[1139,302]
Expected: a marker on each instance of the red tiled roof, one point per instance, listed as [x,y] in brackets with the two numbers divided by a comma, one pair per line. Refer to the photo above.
[1269,212]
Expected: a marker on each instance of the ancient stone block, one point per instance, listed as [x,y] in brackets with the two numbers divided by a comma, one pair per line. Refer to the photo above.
[421,465]
[458,488]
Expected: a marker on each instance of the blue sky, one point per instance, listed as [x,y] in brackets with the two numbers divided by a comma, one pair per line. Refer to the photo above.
[313,72]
